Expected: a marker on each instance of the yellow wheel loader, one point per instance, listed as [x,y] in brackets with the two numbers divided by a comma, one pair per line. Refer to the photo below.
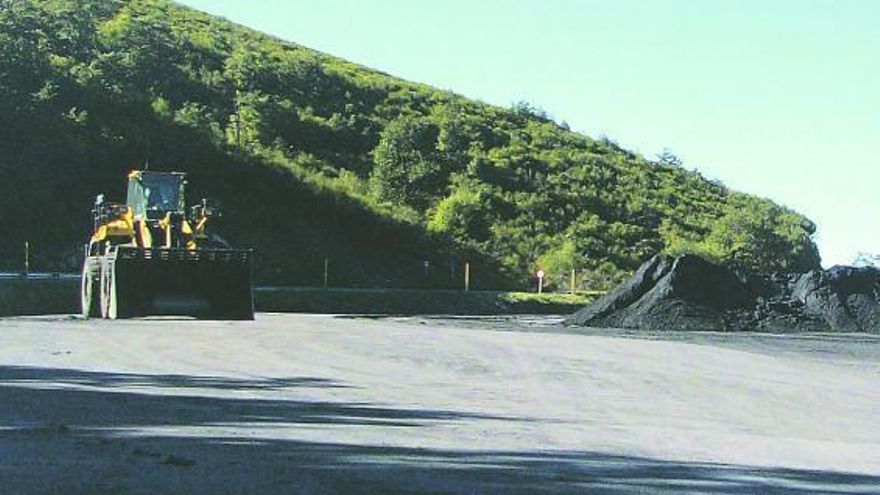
[151,256]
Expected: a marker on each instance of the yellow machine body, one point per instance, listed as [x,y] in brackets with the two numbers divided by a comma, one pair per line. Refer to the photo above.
[151,256]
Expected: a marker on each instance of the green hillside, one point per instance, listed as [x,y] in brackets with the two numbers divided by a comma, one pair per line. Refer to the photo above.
[314,157]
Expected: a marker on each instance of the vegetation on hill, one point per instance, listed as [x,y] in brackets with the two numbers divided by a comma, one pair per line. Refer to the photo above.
[315,157]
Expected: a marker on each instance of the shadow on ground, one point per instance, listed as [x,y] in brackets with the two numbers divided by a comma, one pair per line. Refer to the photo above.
[69,431]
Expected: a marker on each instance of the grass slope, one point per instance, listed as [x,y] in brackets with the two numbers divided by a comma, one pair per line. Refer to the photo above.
[315,157]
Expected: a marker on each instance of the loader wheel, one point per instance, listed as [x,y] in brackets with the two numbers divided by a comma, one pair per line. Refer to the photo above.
[109,303]
[89,294]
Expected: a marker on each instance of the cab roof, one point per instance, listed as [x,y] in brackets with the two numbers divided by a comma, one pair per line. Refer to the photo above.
[136,174]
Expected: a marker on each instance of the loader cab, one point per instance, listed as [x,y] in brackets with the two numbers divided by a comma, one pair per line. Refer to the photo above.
[151,195]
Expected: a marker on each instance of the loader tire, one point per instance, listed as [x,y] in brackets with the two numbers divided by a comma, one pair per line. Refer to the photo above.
[109,301]
[90,304]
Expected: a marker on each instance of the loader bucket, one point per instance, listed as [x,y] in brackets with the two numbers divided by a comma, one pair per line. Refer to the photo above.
[205,283]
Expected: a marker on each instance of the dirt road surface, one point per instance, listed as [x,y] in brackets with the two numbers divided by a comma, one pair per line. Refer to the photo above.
[324,404]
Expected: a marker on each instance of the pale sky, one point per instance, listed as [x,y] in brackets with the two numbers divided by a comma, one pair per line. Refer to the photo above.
[779,98]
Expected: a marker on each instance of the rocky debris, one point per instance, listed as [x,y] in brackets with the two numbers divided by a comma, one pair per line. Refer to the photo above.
[847,298]
[690,293]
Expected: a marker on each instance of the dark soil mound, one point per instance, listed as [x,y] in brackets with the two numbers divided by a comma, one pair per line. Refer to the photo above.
[845,297]
[690,293]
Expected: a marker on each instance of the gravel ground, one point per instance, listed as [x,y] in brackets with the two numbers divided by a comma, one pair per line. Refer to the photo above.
[324,404]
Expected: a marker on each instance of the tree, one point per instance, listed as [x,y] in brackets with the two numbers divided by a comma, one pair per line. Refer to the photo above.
[752,234]
[465,215]
[559,262]
[199,118]
[668,158]
[406,169]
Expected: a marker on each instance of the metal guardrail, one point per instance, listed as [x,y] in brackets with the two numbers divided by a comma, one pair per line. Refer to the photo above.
[38,276]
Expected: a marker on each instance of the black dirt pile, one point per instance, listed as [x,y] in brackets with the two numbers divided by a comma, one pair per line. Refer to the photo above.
[690,293]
